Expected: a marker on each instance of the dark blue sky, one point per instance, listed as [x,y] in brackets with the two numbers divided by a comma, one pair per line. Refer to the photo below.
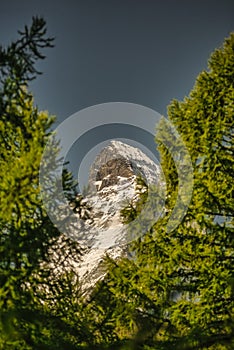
[140,51]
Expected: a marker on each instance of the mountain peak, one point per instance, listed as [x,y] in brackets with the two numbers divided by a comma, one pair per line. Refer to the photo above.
[99,228]
[119,160]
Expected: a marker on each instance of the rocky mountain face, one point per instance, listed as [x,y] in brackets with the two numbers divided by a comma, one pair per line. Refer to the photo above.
[119,159]
[112,184]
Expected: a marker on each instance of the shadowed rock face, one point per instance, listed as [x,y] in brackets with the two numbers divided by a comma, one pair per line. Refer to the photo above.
[117,161]
[110,172]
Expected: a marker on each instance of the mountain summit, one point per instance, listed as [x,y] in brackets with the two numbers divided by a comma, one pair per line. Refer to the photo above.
[112,184]
[120,160]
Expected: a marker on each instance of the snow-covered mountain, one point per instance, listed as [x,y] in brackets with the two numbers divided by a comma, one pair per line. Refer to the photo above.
[112,183]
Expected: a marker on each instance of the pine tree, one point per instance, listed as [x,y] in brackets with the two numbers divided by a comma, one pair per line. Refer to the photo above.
[28,318]
[177,292]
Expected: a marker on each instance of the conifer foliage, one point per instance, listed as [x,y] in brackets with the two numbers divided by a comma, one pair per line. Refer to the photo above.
[177,291]
[26,233]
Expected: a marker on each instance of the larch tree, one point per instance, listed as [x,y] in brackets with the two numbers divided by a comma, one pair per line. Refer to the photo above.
[178,290]
[29,319]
